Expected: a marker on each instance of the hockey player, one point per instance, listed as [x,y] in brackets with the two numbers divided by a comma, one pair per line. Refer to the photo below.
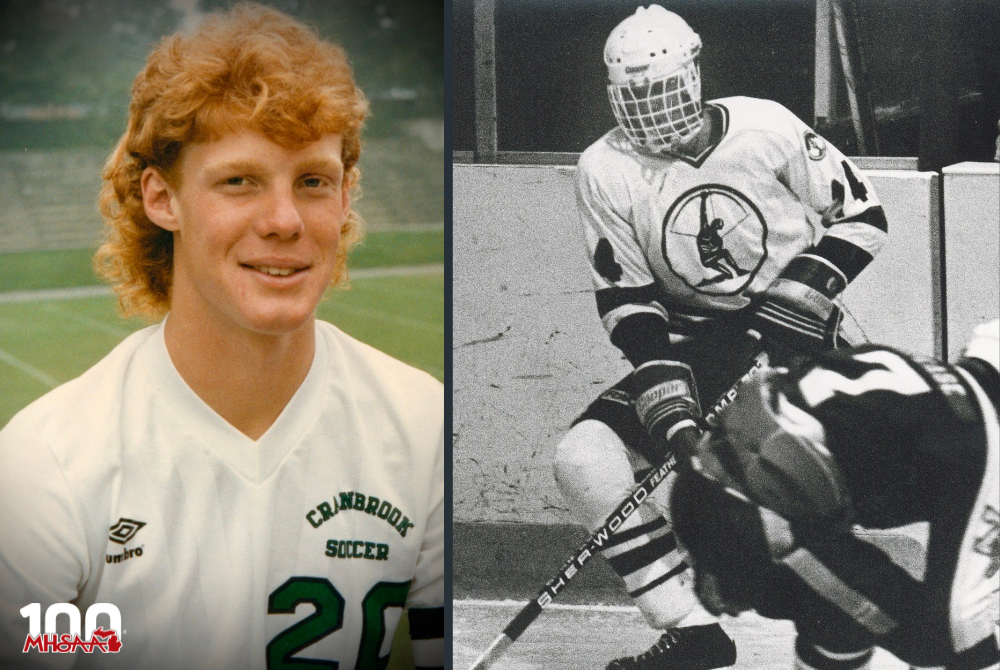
[701,222]
[868,437]
[248,486]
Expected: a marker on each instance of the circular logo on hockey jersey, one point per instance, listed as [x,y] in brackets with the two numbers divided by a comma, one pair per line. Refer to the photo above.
[714,239]
[815,146]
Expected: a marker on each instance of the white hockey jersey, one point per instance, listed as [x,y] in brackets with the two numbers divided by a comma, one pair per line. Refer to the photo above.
[123,487]
[677,235]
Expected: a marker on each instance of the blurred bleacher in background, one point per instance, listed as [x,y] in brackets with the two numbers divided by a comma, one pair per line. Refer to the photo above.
[66,68]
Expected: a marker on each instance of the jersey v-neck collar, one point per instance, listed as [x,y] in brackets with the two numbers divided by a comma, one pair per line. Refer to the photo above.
[720,126]
[254,460]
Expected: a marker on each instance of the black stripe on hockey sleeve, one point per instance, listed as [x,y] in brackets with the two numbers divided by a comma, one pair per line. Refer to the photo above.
[815,274]
[873,216]
[849,258]
[609,299]
[642,337]
[426,623]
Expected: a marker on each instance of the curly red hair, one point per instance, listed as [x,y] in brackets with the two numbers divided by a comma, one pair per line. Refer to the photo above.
[251,68]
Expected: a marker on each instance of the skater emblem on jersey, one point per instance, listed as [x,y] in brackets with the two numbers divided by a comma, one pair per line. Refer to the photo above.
[714,239]
[815,146]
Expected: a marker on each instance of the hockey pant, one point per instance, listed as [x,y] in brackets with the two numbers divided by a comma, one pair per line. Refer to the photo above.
[607,451]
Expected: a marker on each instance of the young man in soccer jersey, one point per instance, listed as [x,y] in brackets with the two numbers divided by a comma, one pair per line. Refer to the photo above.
[249,486]
[703,223]
[775,503]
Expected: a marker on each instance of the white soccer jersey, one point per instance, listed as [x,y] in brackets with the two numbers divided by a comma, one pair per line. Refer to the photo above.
[123,487]
[673,234]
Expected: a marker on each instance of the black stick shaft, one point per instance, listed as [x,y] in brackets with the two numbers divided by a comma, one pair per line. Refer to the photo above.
[589,549]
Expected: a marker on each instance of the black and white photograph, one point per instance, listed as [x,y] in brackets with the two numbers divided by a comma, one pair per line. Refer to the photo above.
[725,337]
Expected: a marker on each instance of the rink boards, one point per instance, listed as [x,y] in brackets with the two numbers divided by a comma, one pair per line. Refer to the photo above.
[530,352]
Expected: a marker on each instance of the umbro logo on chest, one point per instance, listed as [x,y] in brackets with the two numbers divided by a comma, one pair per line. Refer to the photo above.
[121,533]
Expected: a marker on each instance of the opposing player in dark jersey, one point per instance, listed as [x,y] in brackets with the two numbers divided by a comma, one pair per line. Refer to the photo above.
[775,504]
[701,222]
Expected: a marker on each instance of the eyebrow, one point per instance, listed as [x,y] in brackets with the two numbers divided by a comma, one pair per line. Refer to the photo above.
[252,165]
[236,165]
[322,165]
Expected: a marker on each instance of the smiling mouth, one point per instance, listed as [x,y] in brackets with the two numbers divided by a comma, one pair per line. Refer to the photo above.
[273,271]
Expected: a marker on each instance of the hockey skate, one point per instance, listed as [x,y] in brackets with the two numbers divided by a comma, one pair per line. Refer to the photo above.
[690,648]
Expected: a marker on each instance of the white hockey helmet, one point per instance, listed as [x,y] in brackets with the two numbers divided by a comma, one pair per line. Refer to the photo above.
[654,82]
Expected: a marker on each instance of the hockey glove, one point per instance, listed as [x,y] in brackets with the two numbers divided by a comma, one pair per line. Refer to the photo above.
[666,401]
[798,311]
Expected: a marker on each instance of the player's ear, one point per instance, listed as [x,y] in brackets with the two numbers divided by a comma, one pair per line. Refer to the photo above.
[158,199]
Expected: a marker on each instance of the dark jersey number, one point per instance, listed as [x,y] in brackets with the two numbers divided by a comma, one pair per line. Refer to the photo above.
[858,189]
[381,597]
[327,618]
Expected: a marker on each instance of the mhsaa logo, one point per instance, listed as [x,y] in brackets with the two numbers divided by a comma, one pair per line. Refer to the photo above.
[97,638]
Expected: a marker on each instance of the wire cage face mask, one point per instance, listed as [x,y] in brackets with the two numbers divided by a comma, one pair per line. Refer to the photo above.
[659,113]
[654,82]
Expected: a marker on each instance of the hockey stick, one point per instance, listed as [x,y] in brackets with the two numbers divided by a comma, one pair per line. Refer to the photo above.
[624,510]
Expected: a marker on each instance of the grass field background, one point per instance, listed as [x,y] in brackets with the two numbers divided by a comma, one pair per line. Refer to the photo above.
[49,336]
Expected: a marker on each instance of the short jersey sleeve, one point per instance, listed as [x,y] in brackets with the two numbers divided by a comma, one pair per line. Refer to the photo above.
[425,603]
[43,551]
